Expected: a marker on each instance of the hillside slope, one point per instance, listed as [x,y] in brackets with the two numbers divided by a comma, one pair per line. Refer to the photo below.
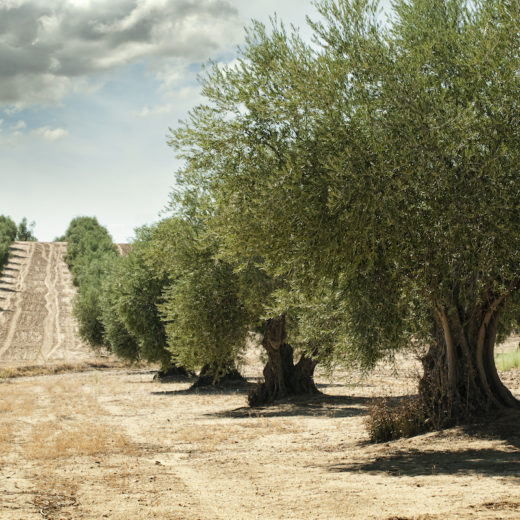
[36,293]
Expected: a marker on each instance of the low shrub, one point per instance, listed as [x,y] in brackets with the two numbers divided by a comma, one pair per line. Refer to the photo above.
[390,419]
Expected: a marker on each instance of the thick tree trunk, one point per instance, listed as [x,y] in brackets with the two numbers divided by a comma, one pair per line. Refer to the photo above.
[171,371]
[460,378]
[217,376]
[282,378]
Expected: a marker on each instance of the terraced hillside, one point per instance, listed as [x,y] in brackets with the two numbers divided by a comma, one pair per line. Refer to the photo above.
[36,322]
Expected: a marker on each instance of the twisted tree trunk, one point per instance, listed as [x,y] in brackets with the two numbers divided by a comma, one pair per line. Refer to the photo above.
[211,375]
[460,378]
[282,378]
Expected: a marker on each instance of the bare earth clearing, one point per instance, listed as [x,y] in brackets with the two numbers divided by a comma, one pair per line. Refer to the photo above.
[36,292]
[114,444]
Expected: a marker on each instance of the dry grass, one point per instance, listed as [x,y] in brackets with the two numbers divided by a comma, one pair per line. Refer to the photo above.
[210,437]
[43,370]
[54,494]
[6,436]
[15,401]
[50,441]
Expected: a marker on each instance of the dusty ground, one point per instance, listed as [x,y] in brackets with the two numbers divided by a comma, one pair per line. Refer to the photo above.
[36,292]
[115,444]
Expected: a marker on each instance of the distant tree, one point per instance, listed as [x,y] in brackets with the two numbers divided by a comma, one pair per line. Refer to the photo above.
[130,296]
[90,252]
[7,237]
[86,239]
[8,229]
[25,231]
[90,272]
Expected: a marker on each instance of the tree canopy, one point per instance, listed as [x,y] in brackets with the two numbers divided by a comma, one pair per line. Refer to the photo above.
[379,162]
[90,252]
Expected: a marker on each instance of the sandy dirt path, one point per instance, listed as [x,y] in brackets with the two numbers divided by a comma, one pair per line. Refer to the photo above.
[118,445]
[36,322]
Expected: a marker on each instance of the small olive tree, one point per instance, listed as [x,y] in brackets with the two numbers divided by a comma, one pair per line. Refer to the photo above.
[206,323]
[131,293]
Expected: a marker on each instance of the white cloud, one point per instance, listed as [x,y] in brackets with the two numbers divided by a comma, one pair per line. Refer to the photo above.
[156,110]
[20,125]
[50,134]
[48,48]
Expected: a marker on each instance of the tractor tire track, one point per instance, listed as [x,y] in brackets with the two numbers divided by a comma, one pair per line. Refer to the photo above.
[20,286]
[36,319]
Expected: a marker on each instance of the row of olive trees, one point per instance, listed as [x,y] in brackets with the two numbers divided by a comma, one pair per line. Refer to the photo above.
[115,301]
[372,177]
[348,198]
[9,232]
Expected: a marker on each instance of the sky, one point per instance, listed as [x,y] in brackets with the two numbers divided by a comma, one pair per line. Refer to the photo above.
[88,92]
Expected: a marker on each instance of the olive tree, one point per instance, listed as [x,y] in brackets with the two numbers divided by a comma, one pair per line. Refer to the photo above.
[206,322]
[382,160]
[131,293]
[7,237]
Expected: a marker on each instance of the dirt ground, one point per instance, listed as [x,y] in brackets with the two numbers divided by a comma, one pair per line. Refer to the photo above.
[116,444]
[36,293]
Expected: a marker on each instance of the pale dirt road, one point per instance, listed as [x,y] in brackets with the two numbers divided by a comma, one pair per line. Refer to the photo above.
[117,445]
[36,322]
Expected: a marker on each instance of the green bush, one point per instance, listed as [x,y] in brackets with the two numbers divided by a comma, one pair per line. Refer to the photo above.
[8,231]
[90,252]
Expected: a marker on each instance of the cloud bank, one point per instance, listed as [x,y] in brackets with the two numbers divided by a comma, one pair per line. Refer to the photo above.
[49,48]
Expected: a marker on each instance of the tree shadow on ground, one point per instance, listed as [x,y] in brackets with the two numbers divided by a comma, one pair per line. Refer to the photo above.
[228,389]
[320,405]
[502,461]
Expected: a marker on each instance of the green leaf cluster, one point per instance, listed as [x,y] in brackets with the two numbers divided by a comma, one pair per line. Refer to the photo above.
[206,320]
[374,171]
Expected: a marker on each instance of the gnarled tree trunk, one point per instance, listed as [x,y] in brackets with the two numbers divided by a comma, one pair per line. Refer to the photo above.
[460,378]
[282,378]
[171,371]
[211,375]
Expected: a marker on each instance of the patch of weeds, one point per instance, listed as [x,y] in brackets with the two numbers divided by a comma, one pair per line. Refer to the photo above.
[508,360]
[389,419]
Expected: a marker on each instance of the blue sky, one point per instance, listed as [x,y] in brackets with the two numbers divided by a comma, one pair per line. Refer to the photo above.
[88,90]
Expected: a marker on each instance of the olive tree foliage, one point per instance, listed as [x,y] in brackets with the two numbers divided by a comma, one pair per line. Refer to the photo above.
[9,232]
[378,164]
[90,253]
[131,293]
[206,321]
[25,231]
[86,240]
